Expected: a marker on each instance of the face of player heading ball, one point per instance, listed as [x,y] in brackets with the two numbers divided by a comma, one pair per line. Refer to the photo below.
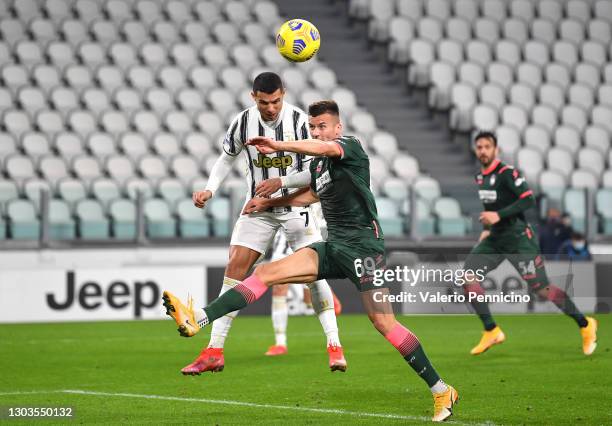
[298,40]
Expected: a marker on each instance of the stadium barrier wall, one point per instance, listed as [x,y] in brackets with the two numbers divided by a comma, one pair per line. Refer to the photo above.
[126,283]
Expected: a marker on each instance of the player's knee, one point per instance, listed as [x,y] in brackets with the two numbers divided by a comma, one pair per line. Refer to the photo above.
[382,323]
[280,290]
[553,294]
[473,288]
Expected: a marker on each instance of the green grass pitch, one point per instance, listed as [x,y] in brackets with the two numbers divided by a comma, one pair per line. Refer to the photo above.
[128,372]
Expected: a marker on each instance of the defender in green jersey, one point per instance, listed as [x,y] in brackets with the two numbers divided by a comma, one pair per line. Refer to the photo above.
[340,179]
[505,196]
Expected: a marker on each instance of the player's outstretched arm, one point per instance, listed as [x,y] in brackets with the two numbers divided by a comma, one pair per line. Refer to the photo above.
[300,198]
[270,186]
[219,172]
[314,147]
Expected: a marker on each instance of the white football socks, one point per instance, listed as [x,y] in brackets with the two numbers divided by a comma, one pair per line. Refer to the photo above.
[323,304]
[221,326]
[280,312]
[438,387]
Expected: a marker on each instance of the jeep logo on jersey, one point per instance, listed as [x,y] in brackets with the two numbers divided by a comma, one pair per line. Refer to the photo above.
[264,162]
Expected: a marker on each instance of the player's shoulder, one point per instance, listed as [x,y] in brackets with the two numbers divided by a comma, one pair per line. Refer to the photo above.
[346,139]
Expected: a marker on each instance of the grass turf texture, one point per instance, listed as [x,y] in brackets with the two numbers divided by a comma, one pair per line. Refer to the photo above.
[538,376]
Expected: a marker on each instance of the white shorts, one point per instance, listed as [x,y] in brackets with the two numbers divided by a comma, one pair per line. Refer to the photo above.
[256,231]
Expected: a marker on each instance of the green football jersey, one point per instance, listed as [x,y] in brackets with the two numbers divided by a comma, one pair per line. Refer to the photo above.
[500,187]
[343,185]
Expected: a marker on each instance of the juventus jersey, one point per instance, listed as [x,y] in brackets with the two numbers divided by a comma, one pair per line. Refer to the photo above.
[290,125]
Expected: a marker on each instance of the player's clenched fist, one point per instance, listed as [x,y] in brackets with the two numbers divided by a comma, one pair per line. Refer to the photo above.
[200,198]
[256,205]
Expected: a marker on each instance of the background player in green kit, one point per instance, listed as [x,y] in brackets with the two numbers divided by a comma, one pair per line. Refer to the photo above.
[505,196]
[340,177]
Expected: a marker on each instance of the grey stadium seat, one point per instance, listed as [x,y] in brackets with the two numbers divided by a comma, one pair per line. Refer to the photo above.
[159,221]
[92,223]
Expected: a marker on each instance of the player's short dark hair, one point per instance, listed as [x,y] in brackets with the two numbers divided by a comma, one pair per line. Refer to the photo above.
[267,82]
[486,134]
[317,108]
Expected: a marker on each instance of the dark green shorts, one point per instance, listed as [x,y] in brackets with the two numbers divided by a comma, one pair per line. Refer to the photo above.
[520,248]
[357,261]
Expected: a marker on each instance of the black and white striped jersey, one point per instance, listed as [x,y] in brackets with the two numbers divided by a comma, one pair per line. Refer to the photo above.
[291,125]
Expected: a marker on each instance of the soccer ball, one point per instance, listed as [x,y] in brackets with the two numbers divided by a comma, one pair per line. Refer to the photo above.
[298,40]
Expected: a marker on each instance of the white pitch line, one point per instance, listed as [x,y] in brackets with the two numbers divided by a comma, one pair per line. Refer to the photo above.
[240,404]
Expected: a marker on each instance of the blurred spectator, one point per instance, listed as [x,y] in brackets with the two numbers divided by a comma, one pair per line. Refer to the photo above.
[554,232]
[576,248]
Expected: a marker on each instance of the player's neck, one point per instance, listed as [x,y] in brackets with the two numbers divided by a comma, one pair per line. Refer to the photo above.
[488,169]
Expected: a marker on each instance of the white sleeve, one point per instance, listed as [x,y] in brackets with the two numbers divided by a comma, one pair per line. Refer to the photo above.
[296,180]
[219,172]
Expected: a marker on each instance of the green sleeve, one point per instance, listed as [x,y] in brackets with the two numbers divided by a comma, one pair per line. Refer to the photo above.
[351,149]
[517,185]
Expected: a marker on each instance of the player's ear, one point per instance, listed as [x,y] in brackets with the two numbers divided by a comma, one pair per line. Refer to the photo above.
[254,96]
[339,127]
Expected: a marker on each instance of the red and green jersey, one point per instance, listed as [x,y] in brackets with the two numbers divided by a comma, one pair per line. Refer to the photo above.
[343,185]
[503,189]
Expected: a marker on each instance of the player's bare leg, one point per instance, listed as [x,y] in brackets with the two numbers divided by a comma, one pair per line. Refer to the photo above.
[280,314]
[241,260]
[380,313]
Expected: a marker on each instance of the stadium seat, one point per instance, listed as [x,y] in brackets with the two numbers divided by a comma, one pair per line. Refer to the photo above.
[148,11]
[574,116]
[19,167]
[172,78]
[466,9]
[536,52]
[603,207]
[592,160]
[396,189]
[46,77]
[442,76]
[226,34]
[219,210]
[574,203]
[389,218]
[57,10]
[33,190]
[120,168]
[425,223]
[567,137]
[123,219]
[380,13]
[602,116]
[138,187]
[86,168]
[487,30]
[560,160]
[530,74]
[101,145]
[421,56]
[565,53]
[123,55]
[92,54]
[96,100]
[35,145]
[28,54]
[193,223]
[31,100]
[552,95]
[538,138]
[158,220]
[184,167]
[501,74]
[553,185]
[522,95]
[572,31]
[53,169]
[61,224]
[16,122]
[531,163]
[146,122]
[492,94]
[509,142]
[544,116]
[401,33]
[87,10]
[114,123]
[484,117]
[23,222]
[92,223]
[71,190]
[450,221]
[8,191]
[458,29]
[584,178]
[135,32]
[597,138]
[463,100]
[8,146]
[599,30]
[64,100]
[134,145]
[197,145]
[472,73]
[82,122]
[603,9]
[104,32]
[427,189]
[523,9]
[509,52]
[587,74]
[406,167]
